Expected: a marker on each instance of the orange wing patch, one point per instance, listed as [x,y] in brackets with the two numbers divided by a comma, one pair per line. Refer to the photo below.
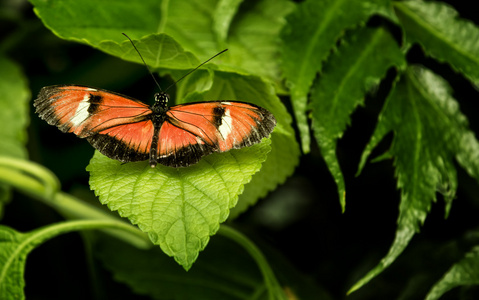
[84,110]
[118,126]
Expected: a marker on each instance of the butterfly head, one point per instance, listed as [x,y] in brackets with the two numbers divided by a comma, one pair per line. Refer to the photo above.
[162,98]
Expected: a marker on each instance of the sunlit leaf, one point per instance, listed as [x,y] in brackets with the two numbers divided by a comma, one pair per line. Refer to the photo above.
[179,208]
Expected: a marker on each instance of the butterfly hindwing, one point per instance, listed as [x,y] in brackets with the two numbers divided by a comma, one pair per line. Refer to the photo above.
[118,126]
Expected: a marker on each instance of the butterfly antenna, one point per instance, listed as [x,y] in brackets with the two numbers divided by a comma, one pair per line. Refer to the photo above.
[191,71]
[145,62]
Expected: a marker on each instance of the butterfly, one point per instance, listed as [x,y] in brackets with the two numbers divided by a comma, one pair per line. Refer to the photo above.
[128,130]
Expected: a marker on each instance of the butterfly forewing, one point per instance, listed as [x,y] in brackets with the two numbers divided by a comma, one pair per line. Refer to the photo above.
[116,125]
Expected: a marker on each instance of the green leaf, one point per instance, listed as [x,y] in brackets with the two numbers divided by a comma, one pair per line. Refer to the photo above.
[465,272]
[437,27]
[158,50]
[14,97]
[75,20]
[179,208]
[358,65]
[429,130]
[254,38]
[225,12]
[312,31]
[15,246]
[284,155]
[168,37]
[153,23]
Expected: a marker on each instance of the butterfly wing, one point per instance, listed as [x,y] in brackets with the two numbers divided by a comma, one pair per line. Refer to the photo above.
[118,126]
[193,130]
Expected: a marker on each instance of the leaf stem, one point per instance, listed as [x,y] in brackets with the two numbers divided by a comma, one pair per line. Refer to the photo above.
[274,288]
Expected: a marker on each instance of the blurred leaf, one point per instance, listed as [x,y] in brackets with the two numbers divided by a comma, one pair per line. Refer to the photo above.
[312,31]
[465,272]
[179,208]
[437,27]
[254,38]
[14,97]
[358,65]
[225,12]
[223,271]
[14,100]
[429,130]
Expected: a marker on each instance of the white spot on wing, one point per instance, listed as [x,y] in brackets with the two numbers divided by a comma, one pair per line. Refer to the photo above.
[81,113]
[226,124]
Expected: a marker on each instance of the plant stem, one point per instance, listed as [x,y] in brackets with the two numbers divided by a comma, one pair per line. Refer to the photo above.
[41,184]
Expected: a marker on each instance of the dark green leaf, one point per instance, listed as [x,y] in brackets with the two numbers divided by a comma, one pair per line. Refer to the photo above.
[437,27]
[312,31]
[465,272]
[223,271]
[359,64]
[429,130]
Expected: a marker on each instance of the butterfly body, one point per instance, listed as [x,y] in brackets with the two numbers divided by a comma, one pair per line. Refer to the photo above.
[128,130]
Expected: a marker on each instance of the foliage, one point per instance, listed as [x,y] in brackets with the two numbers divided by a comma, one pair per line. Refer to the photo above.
[399,74]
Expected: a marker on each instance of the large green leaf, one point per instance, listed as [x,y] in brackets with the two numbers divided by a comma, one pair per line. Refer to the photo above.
[179,208]
[312,31]
[429,132]
[358,65]
[437,27]
[158,26]
[169,37]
